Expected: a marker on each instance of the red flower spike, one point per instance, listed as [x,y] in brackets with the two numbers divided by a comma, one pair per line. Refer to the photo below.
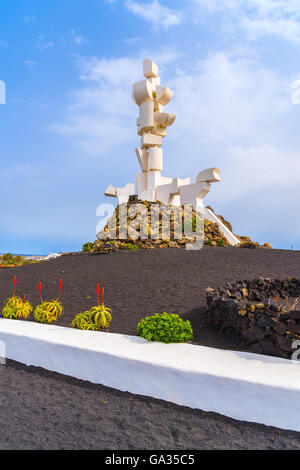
[60,286]
[40,291]
[102,295]
[15,283]
[98,290]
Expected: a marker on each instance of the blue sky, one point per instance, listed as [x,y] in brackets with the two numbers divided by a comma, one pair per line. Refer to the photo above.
[68,127]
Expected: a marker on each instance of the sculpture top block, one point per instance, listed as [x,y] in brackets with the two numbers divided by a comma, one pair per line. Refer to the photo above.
[150,69]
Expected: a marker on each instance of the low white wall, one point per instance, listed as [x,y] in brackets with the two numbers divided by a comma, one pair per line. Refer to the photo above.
[244,386]
[230,237]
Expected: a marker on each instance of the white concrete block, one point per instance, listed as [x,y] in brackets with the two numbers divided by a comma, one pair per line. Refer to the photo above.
[159,130]
[193,193]
[165,119]
[142,92]
[141,182]
[143,159]
[154,81]
[211,175]
[165,192]
[166,180]
[168,190]
[158,108]
[183,181]
[146,118]
[163,95]
[153,179]
[230,237]
[110,191]
[150,140]
[155,159]
[124,193]
[150,69]
[148,195]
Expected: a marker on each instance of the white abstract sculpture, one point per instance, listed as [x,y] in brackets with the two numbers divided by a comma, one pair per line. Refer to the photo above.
[152,125]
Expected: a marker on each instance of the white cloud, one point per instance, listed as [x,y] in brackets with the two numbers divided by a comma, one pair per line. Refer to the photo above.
[29,19]
[155,13]
[227,101]
[258,17]
[30,63]
[214,5]
[78,39]
[42,45]
[133,40]
[287,29]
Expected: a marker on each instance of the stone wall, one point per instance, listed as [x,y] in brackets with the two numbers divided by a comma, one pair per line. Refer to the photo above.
[264,312]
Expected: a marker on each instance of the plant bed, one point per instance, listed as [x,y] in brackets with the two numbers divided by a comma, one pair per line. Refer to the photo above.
[264,312]
[139,283]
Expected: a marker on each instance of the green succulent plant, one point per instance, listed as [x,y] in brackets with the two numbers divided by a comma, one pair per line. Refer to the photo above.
[96,318]
[132,246]
[48,311]
[87,246]
[165,328]
[15,308]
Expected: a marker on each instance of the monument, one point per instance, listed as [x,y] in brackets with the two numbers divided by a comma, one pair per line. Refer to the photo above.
[152,124]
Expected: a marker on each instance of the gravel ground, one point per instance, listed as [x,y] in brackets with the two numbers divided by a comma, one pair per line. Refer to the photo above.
[45,410]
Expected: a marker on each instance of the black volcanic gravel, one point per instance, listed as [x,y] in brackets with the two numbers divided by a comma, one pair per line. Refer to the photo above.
[45,410]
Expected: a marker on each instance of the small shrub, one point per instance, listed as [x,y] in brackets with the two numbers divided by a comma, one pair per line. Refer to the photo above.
[49,311]
[96,318]
[8,257]
[85,321]
[15,308]
[165,328]
[221,243]
[132,246]
[87,246]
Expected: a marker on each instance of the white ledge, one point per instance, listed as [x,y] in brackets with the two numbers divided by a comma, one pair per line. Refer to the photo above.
[244,386]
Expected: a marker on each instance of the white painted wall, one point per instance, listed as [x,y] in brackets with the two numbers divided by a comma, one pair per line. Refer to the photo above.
[244,386]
